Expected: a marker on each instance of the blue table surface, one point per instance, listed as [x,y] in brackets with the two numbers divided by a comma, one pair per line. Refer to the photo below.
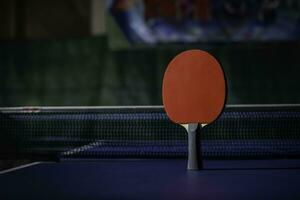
[153,179]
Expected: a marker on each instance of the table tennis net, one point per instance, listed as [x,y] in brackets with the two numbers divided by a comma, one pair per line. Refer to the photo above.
[241,132]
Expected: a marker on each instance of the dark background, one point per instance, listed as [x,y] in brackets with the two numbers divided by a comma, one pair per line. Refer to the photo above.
[51,55]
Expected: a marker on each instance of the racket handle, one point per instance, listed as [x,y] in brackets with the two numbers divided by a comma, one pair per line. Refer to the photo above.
[194,159]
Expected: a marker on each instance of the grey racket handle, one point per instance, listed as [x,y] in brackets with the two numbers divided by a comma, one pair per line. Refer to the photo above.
[194,157]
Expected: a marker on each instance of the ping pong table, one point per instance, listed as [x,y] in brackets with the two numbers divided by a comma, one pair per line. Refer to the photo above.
[250,152]
[153,179]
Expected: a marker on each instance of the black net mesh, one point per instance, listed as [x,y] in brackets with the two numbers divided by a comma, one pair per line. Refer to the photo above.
[146,132]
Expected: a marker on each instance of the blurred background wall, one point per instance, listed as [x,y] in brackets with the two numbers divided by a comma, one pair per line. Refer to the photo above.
[97,52]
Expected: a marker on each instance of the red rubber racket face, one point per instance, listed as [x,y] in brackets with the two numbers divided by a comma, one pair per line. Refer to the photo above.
[194,88]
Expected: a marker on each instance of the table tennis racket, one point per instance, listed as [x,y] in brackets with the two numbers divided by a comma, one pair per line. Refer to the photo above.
[194,92]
